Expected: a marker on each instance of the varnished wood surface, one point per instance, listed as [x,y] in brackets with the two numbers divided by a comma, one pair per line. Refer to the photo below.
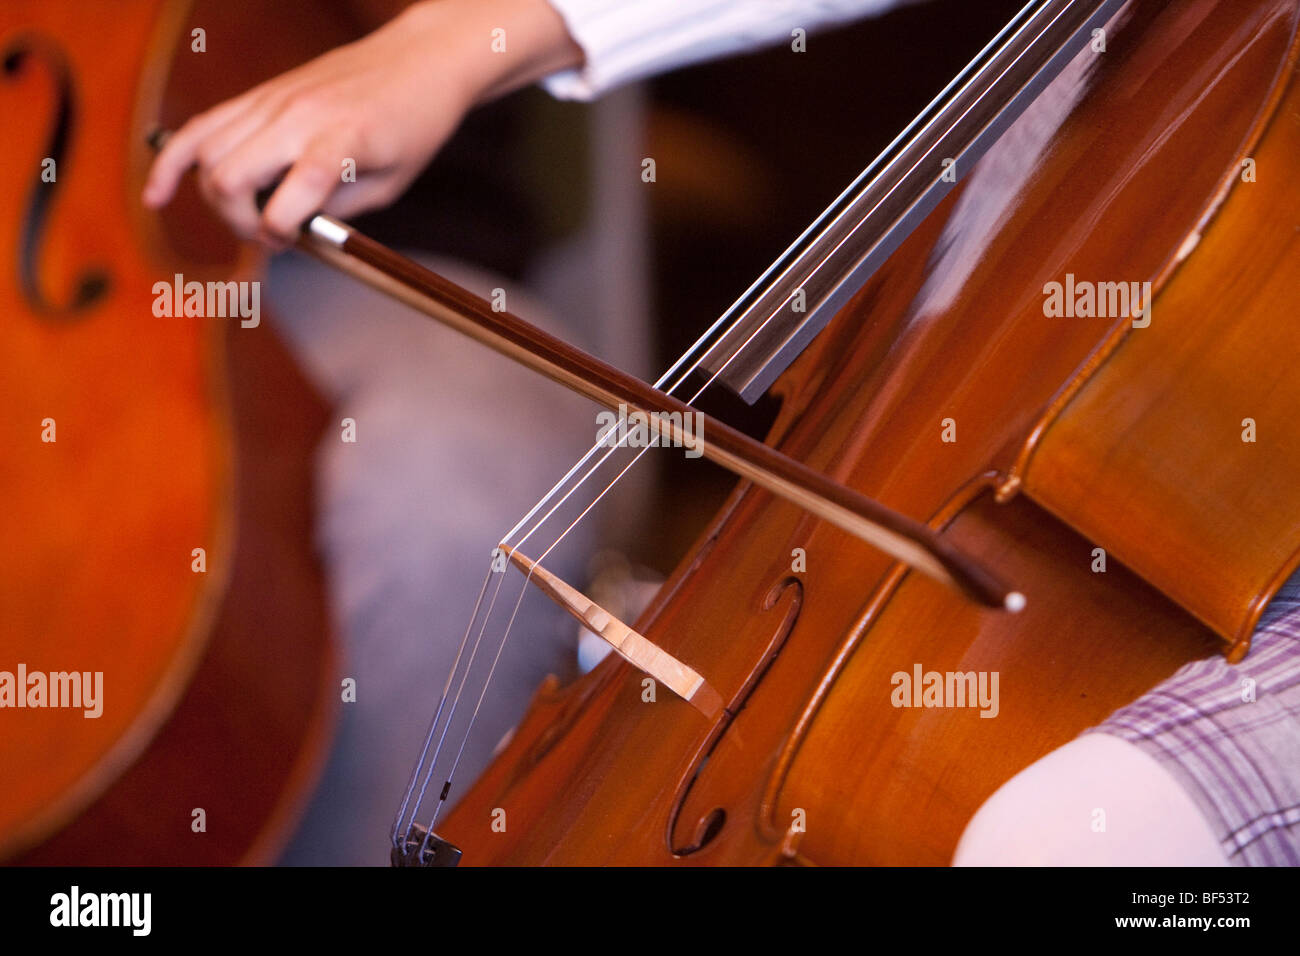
[249,737]
[1105,177]
[173,434]
[1139,473]
[102,523]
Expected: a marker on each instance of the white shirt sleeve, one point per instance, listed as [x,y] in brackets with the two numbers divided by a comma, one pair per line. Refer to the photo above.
[626,40]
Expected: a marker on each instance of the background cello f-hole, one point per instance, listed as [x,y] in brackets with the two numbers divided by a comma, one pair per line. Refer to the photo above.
[786,599]
[93,283]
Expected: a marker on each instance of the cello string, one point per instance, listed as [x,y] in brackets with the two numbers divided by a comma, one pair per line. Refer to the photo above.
[693,366]
[929,116]
[432,732]
[433,764]
[398,829]
[442,798]
[561,537]
[433,726]
[722,319]
[451,773]
[509,625]
[580,481]
[437,716]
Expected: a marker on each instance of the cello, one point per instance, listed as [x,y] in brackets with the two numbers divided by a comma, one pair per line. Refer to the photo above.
[158,470]
[1104,461]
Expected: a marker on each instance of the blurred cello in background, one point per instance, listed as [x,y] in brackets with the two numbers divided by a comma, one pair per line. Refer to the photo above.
[169,435]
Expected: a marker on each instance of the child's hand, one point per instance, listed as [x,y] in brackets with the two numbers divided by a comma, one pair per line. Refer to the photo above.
[386,102]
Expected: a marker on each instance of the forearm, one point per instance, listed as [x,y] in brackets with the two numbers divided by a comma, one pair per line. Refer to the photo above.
[510,43]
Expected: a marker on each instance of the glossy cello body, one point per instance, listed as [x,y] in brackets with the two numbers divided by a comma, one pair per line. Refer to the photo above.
[170,434]
[1038,443]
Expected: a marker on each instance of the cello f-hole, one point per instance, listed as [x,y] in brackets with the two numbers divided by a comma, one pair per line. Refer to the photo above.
[93,284]
[710,823]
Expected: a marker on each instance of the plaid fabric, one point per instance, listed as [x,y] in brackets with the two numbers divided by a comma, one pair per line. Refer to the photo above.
[1231,737]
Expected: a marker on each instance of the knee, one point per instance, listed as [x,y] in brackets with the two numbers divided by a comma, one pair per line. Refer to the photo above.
[1022,824]
[1096,801]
